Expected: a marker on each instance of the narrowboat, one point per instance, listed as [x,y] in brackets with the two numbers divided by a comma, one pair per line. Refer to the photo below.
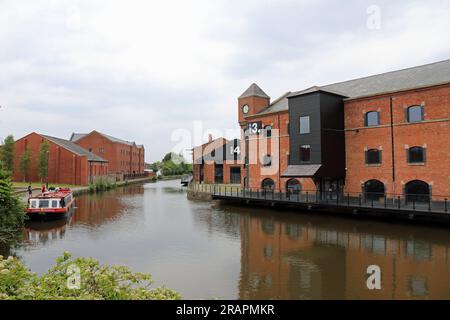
[55,204]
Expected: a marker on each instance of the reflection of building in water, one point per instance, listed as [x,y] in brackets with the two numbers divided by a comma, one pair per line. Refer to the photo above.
[95,209]
[293,261]
[92,210]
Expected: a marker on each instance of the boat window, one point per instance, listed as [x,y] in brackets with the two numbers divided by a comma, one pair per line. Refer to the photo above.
[33,204]
[54,203]
[43,203]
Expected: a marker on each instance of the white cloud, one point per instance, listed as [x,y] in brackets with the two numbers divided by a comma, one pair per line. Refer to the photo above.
[141,69]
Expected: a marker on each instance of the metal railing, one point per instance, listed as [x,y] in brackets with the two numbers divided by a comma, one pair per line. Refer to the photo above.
[410,202]
[130,176]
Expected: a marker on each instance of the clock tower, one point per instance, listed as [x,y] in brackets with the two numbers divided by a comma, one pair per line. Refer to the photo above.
[252,101]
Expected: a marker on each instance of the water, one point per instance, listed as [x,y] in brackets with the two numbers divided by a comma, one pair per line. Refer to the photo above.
[209,250]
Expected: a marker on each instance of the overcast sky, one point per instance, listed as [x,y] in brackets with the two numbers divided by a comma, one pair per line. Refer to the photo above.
[139,70]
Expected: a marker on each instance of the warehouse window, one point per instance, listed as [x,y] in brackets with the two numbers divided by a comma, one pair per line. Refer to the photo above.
[305,125]
[373,156]
[372,118]
[415,155]
[305,153]
[267,160]
[268,131]
[414,114]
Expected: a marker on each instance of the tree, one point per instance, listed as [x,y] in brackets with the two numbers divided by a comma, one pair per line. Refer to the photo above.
[7,154]
[11,209]
[78,279]
[43,160]
[156,166]
[25,160]
[167,157]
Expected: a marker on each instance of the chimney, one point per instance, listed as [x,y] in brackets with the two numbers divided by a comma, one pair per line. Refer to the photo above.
[210,138]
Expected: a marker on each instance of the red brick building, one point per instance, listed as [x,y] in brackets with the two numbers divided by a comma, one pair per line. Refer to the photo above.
[124,157]
[68,163]
[386,134]
[217,161]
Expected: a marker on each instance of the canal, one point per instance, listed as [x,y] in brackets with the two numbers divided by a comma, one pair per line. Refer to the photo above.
[210,250]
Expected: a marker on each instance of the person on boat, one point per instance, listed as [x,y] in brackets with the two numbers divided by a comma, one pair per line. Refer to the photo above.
[43,188]
[30,191]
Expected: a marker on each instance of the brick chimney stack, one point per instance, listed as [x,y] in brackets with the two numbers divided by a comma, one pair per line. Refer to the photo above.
[210,139]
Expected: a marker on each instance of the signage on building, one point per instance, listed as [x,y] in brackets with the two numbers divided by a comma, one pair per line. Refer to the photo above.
[254,127]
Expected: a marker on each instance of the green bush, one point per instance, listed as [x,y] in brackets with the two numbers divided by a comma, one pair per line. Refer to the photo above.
[101,185]
[97,282]
[12,212]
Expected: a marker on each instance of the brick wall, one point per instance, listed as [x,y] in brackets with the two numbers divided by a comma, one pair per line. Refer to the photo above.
[432,133]
[123,158]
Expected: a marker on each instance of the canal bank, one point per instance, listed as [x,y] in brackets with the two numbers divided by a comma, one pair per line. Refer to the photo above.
[352,205]
[79,190]
[215,250]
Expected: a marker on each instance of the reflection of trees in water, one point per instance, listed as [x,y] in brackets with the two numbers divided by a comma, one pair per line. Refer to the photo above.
[309,257]
[173,190]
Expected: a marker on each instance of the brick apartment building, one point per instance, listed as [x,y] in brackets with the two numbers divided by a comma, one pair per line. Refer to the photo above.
[217,161]
[68,163]
[124,157]
[381,134]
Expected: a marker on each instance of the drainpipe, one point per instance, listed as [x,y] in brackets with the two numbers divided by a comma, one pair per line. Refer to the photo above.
[279,153]
[392,145]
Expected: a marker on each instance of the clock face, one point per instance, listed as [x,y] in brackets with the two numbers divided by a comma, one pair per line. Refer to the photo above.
[245,109]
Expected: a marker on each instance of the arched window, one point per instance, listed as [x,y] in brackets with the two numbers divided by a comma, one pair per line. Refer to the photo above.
[373,156]
[373,189]
[417,190]
[372,118]
[293,186]
[414,114]
[416,155]
[268,184]
[267,160]
[268,131]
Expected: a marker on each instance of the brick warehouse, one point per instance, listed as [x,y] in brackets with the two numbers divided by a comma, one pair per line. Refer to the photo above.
[381,134]
[217,161]
[124,157]
[68,163]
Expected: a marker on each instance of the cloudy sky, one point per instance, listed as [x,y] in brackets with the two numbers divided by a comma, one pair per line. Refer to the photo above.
[140,70]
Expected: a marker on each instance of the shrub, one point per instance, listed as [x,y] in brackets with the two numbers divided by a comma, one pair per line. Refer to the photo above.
[97,282]
[12,212]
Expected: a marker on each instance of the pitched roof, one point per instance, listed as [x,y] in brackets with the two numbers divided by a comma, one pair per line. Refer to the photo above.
[280,104]
[254,91]
[77,136]
[74,148]
[414,77]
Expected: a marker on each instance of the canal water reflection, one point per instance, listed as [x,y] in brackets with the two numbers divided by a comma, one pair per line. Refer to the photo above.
[212,250]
